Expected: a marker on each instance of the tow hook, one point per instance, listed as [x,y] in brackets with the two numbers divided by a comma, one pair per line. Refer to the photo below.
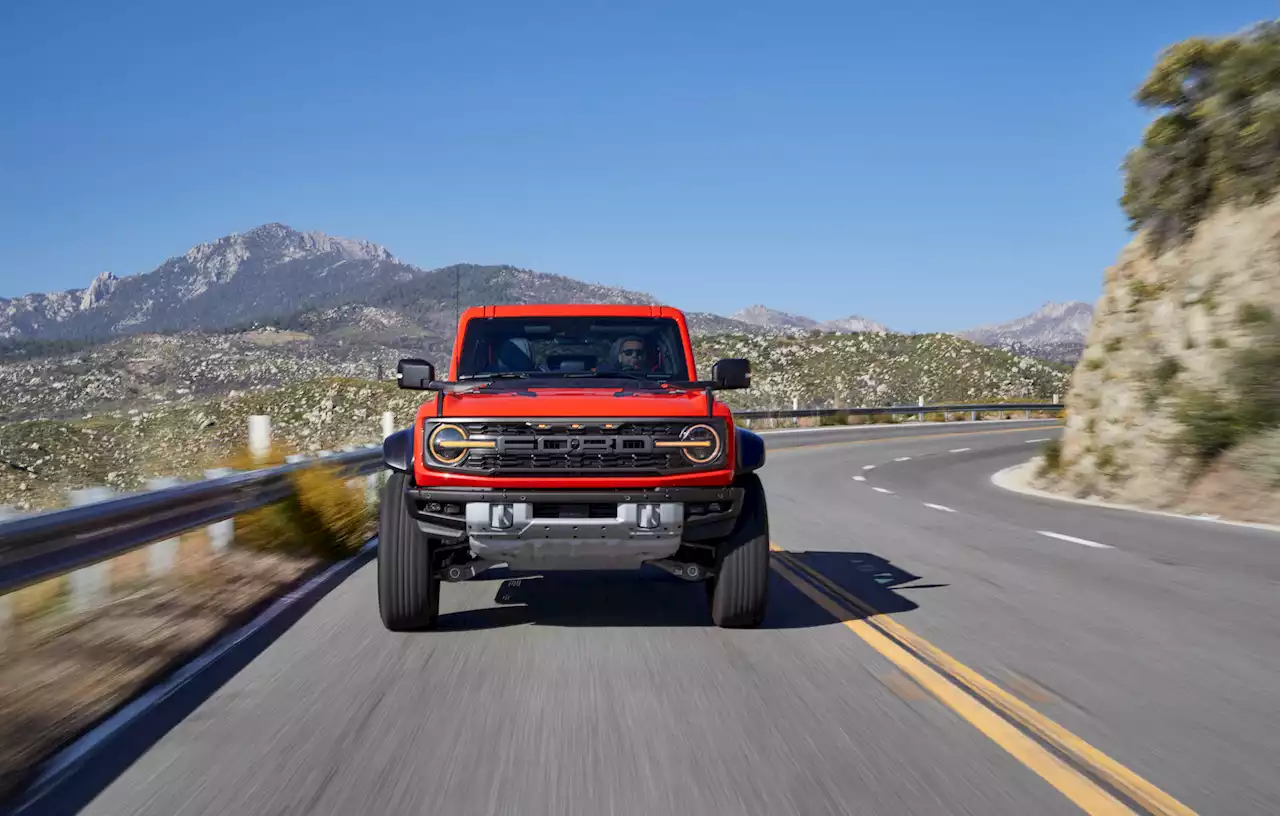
[682,569]
[464,572]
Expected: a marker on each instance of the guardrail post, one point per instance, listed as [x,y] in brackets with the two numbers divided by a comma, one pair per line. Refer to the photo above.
[162,554]
[1028,413]
[259,436]
[6,602]
[973,416]
[920,416]
[221,533]
[373,481]
[89,584]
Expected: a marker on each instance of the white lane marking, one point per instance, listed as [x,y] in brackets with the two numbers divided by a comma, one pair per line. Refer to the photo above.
[1011,479]
[1029,441]
[959,450]
[1075,540]
[868,467]
[859,478]
[939,507]
[881,490]
[902,459]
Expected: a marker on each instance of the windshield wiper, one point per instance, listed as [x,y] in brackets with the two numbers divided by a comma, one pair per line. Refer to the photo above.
[497,375]
[606,375]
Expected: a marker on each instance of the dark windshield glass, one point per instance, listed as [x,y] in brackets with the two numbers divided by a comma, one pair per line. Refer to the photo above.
[563,347]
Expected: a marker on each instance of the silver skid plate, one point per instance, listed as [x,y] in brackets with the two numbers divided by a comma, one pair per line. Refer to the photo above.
[639,532]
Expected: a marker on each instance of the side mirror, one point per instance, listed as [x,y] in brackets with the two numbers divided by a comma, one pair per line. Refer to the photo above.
[415,374]
[731,373]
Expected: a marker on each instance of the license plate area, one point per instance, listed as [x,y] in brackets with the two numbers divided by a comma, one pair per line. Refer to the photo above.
[575,510]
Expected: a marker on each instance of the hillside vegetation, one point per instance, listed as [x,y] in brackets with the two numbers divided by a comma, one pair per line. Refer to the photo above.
[1176,402]
[41,460]
[876,369]
[1216,140]
[161,406]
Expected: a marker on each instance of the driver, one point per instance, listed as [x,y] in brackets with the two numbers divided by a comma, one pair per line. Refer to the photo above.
[633,354]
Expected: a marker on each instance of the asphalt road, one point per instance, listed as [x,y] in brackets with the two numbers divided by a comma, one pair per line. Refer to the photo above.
[929,650]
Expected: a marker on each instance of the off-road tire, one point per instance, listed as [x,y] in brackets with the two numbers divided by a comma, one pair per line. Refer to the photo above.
[408,592]
[739,592]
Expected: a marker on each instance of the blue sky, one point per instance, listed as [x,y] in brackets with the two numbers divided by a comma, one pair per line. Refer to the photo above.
[928,165]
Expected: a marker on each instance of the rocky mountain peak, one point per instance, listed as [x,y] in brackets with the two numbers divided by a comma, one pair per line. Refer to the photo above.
[761,315]
[99,290]
[277,243]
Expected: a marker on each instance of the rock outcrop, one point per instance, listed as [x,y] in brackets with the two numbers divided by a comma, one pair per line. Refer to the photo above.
[1176,399]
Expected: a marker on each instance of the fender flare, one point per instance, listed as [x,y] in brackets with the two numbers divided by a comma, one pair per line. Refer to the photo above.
[751,450]
[397,451]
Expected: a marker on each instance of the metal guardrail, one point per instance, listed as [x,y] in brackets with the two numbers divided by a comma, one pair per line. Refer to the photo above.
[955,408]
[38,547]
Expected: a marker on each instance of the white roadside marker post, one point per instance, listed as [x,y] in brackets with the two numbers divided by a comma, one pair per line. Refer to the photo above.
[221,533]
[162,554]
[89,584]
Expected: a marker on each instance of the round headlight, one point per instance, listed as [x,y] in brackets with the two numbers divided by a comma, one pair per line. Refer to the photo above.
[702,443]
[445,444]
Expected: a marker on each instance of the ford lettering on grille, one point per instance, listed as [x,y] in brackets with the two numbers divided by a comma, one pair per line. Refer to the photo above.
[563,450]
[575,444]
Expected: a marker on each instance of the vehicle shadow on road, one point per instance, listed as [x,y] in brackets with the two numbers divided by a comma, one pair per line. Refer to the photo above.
[651,598]
[870,578]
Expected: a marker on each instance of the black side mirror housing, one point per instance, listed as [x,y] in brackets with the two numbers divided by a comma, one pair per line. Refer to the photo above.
[415,374]
[731,374]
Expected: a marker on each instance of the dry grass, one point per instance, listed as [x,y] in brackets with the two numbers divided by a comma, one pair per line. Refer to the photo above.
[61,672]
[326,516]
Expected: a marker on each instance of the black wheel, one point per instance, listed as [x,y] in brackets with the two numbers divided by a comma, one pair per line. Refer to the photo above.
[739,592]
[408,592]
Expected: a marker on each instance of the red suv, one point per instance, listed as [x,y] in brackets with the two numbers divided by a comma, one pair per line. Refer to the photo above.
[573,437]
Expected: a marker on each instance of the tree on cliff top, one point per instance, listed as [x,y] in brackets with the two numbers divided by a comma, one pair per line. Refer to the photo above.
[1217,139]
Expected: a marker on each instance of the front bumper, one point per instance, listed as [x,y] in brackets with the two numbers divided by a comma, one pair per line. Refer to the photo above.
[575,529]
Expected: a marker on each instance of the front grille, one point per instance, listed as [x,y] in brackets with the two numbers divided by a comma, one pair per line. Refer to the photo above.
[588,462]
[524,448]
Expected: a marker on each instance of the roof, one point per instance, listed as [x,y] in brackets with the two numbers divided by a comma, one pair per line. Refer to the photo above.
[571,310]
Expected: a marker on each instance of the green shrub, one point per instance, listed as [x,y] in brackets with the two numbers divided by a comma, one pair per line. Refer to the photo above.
[1167,369]
[1255,377]
[1114,344]
[324,516]
[1142,291]
[1052,453]
[1251,314]
[1215,423]
[839,418]
[1260,455]
[1210,425]
[1216,139]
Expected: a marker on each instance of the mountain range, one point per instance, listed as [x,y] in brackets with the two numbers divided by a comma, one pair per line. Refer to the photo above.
[278,276]
[1055,331]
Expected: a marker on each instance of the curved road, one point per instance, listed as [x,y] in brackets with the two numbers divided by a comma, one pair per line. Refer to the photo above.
[935,645]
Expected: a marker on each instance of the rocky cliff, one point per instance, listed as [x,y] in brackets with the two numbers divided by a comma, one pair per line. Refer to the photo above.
[1176,401]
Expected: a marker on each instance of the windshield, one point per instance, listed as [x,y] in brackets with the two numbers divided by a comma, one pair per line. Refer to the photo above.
[564,347]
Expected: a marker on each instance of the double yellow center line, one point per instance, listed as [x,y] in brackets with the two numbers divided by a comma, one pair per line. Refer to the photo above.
[1078,770]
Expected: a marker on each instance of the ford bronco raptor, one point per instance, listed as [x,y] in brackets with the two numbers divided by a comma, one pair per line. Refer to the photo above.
[572,438]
